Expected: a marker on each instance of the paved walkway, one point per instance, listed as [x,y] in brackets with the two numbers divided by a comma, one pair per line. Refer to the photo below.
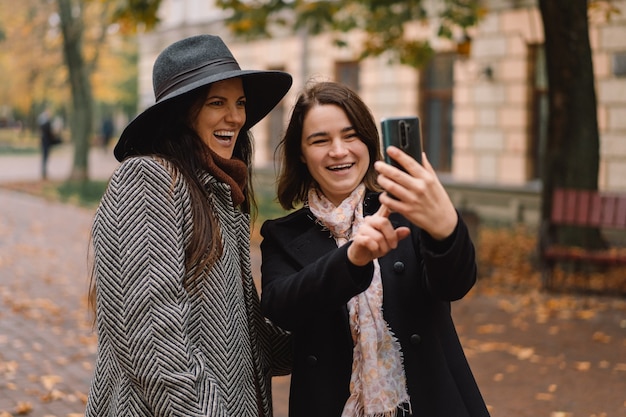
[27,167]
[533,354]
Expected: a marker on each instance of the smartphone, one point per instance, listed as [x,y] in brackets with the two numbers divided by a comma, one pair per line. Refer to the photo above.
[404,133]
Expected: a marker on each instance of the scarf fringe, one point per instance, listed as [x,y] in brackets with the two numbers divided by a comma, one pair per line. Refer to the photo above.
[400,411]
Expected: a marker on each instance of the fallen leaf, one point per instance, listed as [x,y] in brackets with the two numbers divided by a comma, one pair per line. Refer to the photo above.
[490,329]
[583,366]
[49,381]
[620,367]
[23,407]
[601,337]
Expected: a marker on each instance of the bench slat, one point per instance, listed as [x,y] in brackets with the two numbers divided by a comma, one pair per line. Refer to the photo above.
[570,206]
[558,204]
[588,208]
[596,210]
[583,203]
[608,210]
[620,218]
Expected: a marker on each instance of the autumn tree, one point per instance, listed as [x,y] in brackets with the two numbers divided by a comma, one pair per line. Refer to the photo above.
[50,45]
[72,23]
[572,152]
[30,58]
[384,22]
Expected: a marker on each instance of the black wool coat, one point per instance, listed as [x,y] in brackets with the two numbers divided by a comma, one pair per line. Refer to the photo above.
[307,281]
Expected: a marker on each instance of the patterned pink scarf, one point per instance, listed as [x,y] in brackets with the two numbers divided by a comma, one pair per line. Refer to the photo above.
[378,383]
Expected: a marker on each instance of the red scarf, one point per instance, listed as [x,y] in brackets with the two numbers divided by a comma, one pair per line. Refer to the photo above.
[233,172]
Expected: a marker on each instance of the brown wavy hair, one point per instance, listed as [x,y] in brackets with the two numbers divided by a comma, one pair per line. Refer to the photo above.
[294,179]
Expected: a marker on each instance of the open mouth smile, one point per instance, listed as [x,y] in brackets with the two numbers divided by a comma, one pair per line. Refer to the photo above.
[224,134]
[340,167]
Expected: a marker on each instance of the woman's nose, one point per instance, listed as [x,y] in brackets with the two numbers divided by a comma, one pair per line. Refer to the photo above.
[338,148]
[236,114]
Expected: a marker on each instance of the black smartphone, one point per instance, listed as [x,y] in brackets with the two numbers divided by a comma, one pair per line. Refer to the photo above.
[404,133]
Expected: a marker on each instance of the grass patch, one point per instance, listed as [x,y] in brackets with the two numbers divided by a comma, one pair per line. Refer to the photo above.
[82,193]
[267,205]
[9,149]
[16,142]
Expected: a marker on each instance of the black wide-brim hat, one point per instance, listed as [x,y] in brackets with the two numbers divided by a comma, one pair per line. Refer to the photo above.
[192,63]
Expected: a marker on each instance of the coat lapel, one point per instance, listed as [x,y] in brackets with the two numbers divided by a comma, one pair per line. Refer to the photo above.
[310,245]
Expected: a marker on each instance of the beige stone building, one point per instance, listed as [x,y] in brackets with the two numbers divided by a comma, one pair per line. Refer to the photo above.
[483,115]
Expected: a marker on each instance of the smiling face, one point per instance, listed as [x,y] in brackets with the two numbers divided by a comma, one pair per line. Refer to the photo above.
[335,156]
[222,116]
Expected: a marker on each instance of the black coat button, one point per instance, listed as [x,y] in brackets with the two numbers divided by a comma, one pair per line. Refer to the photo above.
[416,339]
[311,360]
[398,267]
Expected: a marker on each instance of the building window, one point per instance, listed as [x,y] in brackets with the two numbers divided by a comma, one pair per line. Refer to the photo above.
[436,115]
[537,137]
[619,64]
[347,72]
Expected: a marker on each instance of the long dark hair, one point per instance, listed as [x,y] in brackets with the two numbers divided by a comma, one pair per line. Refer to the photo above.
[294,179]
[175,141]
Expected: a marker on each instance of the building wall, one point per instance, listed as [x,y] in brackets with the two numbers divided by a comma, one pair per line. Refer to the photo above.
[491,117]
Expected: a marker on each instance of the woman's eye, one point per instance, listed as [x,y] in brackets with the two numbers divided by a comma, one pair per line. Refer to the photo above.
[241,103]
[215,103]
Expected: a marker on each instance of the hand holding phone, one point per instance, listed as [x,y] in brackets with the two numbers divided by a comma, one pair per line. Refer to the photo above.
[403,133]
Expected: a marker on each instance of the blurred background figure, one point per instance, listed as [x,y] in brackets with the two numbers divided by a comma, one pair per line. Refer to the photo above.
[44,121]
[106,132]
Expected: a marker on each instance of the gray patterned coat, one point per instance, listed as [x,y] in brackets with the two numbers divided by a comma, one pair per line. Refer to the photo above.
[164,350]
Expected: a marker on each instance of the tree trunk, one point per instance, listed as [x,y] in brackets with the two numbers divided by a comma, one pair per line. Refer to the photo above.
[572,154]
[82,102]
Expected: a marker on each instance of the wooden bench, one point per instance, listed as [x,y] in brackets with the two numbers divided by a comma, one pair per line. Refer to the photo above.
[582,208]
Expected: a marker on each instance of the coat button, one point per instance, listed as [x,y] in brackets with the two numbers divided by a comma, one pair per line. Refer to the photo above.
[416,339]
[311,360]
[398,267]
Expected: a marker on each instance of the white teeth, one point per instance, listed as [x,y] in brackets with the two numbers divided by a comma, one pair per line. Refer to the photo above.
[335,167]
[224,133]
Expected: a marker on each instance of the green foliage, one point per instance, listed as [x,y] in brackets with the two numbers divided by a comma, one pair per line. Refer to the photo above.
[133,13]
[81,193]
[384,21]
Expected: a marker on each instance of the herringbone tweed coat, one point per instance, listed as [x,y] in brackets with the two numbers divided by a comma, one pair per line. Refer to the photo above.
[166,350]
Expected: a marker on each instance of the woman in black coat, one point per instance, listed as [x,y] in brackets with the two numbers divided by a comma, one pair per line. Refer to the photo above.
[364,281]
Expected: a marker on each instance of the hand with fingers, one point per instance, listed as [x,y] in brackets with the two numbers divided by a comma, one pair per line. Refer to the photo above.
[420,196]
[375,237]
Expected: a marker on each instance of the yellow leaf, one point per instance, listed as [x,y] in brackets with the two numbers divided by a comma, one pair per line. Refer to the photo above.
[490,329]
[601,337]
[620,367]
[583,366]
[525,353]
[49,381]
[23,407]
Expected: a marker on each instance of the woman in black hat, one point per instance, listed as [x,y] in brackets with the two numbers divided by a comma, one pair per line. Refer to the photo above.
[180,332]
